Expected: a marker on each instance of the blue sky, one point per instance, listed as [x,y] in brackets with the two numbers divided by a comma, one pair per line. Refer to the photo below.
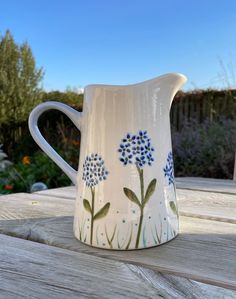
[122,42]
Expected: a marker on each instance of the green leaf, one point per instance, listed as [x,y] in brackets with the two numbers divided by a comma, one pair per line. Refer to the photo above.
[113,235]
[173,207]
[132,196]
[110,240]
[130,239]
[87,206]
[150,190]
[103,212]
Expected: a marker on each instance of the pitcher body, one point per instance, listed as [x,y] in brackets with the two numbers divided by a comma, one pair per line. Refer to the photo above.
[126,196]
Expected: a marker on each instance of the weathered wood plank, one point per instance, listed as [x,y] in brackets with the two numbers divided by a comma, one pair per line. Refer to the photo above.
[199,204]
[206,184]
[172,286]
[64,192]
[35,270]
[192,183]
[207,205]
[204,251]
[24,206]
[21,208]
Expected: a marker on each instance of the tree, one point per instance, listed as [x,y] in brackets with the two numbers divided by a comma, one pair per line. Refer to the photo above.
[19,81]
[69,97]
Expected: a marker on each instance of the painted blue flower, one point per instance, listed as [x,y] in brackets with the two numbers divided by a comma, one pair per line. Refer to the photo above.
[169,169]
[136,149]
[94,170]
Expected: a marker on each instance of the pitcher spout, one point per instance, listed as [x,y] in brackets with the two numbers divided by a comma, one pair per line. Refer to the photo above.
[171,84]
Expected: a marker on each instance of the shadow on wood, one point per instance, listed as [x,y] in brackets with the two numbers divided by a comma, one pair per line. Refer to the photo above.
[191,255]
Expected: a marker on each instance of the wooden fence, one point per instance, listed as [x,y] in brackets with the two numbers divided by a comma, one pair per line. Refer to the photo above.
[202,105]
[199,105]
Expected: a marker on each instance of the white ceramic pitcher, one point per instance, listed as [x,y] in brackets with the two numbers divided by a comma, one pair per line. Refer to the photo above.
[125,183]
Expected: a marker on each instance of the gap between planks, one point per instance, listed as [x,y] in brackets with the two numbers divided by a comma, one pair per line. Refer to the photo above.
[204,251]
[45,271]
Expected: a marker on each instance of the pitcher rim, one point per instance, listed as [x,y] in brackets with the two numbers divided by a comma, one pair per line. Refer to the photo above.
[183,77]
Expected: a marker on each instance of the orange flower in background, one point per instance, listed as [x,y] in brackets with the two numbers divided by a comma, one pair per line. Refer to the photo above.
[75,142]
[26,160]
[8,187]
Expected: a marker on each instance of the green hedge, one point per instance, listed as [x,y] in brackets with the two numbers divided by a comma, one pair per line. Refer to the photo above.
[203,144]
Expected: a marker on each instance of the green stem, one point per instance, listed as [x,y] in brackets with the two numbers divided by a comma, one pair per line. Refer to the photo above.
[92,215]
[141,185]
[140,172]
[139,228]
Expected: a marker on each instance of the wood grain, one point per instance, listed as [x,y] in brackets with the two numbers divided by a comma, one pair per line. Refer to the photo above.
[64,192]
[172,286]
[207,205]
[189,183]
[204,251]
[198,204]
[24,206]
[32,270]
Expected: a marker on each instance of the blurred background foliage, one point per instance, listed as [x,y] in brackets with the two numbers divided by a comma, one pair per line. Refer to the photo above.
[203,126]
[19,81]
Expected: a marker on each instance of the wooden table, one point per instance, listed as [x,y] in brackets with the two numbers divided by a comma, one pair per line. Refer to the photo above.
[40,258]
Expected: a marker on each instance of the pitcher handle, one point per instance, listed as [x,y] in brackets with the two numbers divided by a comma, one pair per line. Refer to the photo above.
[74,116]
